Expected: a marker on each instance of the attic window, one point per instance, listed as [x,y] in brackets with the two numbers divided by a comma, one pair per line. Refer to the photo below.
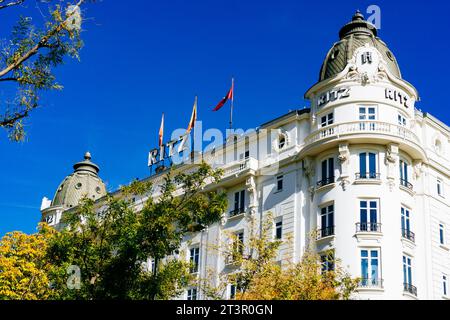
[98,190]
[389,55]
[78,185]
[334,54]
[281,141]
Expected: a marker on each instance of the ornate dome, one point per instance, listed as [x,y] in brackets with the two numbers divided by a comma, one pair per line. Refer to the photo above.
[84,181]
[355,34]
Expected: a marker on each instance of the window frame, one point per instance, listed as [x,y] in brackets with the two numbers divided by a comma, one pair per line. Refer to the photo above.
[278,234]
[327,120]
[368,225]
[369,266]
[194,257]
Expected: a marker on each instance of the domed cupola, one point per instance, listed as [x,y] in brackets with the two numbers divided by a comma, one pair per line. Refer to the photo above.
[356,34]
[84,181]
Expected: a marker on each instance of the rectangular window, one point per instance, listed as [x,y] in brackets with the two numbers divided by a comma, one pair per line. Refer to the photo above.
[279,230]
[441,234]
[327,261]
[327,120]
[194,259]
[238,246]
[232,291]
[239,203]
[439,187]
[192,294]
[370,268]
[280,183]
[327,221]
[368,166]
[407,271]
[445,285]
[327,171]
[368,211]
[406,224]
[367,114]
[401,120]
[404,173]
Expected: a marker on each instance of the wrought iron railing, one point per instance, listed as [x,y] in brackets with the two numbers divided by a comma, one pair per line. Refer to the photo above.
[325,182]
[371,283]
[368,227]
[368,176]
[407,287]
[325,232]
[407,234]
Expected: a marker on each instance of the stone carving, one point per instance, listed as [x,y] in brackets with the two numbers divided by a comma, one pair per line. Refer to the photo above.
[253,194]
[418,169]
[344,158]
[390,160]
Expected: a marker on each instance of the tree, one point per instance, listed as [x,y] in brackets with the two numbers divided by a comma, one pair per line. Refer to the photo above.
[27,59]
[259,277]
[111,242]
[24,268]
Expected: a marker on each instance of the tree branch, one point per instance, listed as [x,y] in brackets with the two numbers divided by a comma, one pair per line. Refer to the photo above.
[41,44]
[10,4]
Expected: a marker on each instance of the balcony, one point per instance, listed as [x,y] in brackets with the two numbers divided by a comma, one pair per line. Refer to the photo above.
[325,233]
[325,182]
[238,167]
[236,212]
[368,176]
[368,227]
[371,284]
[408,235]
[406,184]
[409,288]
[356,127]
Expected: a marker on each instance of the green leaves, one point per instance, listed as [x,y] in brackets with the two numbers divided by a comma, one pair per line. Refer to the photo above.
[28,59]
[112,242]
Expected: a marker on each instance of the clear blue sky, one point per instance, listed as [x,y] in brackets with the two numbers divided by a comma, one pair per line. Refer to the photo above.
[145,57]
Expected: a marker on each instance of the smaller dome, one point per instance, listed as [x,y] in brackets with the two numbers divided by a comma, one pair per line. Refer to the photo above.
[84,181]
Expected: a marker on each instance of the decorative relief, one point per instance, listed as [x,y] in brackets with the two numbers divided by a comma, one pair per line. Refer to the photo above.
[344,159]
[418,169]
[391,161]
[253,194]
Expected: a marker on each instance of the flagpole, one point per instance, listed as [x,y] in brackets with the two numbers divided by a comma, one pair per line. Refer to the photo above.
[232,104]
[193,132]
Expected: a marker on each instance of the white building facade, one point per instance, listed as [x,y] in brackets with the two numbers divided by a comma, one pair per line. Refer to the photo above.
[362,167]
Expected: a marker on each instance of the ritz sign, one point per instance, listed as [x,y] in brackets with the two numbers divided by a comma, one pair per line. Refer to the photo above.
[168,150]
[333,95]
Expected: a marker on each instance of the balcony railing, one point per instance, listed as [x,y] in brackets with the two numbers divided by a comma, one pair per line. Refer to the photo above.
[368,227]
[405,183]
[368,176]
[407,234]
[342,129]
[371,283]
[325,182]
[409,288]
[325,232]
[236,212]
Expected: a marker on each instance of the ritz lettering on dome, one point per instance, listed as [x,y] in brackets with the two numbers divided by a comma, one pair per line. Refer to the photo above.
[397,96]
[333,95]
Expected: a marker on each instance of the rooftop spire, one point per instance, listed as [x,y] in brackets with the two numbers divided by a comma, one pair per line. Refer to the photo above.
[358,25]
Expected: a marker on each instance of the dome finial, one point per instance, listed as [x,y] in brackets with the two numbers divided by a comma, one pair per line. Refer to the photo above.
[358,16]
[87,156]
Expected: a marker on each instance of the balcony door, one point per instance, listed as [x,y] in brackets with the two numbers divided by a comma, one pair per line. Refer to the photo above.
[369,216]
[367,165]
[370,268]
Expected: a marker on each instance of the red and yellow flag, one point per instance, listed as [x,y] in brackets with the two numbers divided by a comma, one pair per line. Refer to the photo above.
[193,117]
[161,131]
